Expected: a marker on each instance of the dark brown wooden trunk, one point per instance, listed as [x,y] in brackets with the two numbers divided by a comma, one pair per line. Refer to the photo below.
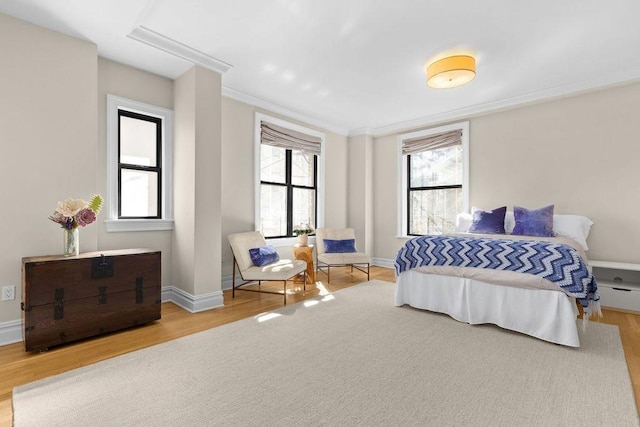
[66,299]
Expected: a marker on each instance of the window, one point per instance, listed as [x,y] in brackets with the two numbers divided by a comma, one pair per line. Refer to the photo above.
[139,183]
[434,179]
[139,173]
[289,176]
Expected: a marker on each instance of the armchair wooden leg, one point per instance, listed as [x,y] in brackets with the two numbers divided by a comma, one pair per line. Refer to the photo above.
[285,292]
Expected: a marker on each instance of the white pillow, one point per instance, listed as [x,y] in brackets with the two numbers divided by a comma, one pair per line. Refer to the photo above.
[463,222]
[509,222]
[575,227]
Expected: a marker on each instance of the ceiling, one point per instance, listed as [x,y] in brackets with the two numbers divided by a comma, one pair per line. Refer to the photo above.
[355,66]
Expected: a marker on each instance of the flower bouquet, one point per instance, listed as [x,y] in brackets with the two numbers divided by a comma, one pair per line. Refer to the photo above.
[74,213]
[303,231]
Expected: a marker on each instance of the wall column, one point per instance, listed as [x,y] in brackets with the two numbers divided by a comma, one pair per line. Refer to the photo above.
[360,190]
[196,248]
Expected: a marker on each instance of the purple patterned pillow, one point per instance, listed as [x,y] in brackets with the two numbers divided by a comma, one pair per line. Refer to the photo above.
[491,222]
[538,222]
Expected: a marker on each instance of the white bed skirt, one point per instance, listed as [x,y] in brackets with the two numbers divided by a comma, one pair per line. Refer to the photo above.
[548,315]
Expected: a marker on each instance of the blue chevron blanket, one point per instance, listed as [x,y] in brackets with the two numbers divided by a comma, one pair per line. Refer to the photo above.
[557,263]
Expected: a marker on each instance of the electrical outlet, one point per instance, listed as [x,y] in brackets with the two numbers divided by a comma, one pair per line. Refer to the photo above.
[8,293]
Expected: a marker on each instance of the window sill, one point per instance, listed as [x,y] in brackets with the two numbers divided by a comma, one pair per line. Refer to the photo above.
[124,225]
[288,241]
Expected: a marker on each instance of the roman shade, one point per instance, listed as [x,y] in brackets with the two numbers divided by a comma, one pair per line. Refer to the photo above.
[278,136]
[432,142]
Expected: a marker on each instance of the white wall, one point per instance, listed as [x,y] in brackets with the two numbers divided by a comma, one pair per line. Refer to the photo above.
[385,202]
[48,113]
[237,174]
[579,153]
[131,83]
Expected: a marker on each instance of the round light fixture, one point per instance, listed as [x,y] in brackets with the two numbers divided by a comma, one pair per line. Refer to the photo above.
[452,71]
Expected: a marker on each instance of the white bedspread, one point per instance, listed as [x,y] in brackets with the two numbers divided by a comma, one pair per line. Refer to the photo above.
[546,314]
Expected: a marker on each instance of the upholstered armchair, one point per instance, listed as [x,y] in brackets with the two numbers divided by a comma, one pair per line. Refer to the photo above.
[258,262]
[336,248]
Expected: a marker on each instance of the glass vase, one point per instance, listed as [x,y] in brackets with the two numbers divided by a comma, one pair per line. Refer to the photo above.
[71,244]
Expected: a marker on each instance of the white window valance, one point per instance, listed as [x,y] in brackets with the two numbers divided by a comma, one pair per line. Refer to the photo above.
[432,142]
[278,136]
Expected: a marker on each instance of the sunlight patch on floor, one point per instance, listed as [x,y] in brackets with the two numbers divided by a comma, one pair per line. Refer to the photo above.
[322,289]
[324,295]
[266,316]
[312,302]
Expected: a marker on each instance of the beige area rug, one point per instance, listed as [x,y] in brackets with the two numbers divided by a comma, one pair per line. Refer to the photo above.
[350,358]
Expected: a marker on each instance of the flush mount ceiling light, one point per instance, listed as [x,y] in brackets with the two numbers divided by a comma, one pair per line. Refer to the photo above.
[452,71]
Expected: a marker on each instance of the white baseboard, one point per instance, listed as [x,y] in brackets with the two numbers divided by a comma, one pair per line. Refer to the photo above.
[227,282]
[192,303]
[383,262]
[10,332]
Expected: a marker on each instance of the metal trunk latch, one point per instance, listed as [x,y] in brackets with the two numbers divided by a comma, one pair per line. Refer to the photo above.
[58,304]
[139,291]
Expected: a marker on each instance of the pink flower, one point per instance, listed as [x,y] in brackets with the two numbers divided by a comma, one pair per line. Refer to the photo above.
[85,217]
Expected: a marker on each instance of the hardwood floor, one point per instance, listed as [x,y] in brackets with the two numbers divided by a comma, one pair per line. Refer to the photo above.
[18,367]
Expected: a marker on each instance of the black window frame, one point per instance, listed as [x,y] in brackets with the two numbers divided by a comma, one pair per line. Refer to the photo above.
[129,166]
[290,187]
[410,189]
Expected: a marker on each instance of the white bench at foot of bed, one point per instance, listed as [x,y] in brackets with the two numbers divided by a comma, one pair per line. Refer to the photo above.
[548,315]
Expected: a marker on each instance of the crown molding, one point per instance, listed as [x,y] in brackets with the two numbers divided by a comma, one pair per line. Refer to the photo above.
[558,92]
[277,109]
[564,91]
[361,131]
[159,41]
[448,116]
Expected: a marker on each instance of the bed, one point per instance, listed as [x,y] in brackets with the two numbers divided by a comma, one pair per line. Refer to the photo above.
[523,283]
